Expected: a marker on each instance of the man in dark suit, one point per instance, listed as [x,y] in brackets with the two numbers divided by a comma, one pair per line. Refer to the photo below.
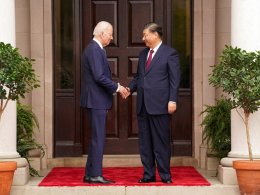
[96,97]
[156,82]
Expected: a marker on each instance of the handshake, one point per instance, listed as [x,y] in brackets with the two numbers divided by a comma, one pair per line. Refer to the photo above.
[124,91]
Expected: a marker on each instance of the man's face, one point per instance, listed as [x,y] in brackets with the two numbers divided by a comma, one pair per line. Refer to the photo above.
[107,36]
[149,38]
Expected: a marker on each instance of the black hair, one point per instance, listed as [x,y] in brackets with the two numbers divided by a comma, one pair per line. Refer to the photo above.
[153,27]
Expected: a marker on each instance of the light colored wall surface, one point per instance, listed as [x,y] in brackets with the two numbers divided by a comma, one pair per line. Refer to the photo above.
[212,21]
[34,39]
[223,29]
[23,37]
[203,58]
[197,77]
[49,82]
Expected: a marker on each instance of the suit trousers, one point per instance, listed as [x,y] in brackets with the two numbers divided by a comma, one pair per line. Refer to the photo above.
[154,142]
[96,146]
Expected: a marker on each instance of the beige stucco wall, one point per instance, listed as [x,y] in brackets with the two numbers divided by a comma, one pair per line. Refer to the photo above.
[23,40]
[34,38]
[203,58]
[212,20]
[223,29]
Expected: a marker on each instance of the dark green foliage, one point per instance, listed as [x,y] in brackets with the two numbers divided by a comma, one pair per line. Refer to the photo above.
[238,75]
[217,128]
[17,77]
[16,73]
[26,122]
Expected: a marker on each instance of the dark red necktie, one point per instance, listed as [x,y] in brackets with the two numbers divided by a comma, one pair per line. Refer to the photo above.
[149,60]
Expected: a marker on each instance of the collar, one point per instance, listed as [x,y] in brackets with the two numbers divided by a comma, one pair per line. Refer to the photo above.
[156,48]
[98,42]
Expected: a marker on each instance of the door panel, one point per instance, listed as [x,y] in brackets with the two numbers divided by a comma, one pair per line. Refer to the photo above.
[67,131]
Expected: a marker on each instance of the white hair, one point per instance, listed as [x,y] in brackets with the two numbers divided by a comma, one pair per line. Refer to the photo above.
[101,27]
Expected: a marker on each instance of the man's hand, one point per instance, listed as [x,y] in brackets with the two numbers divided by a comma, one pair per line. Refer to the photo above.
[172,107]
[123,92]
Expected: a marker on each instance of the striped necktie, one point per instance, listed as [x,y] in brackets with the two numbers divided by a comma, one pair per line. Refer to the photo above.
[149,60]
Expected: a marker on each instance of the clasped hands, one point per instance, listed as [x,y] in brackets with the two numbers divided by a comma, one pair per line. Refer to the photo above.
[124,91]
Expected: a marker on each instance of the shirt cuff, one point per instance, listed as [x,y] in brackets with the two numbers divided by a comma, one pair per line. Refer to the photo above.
[118,87]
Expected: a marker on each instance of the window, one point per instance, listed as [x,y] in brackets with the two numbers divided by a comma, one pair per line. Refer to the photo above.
[63,43]
[181,39]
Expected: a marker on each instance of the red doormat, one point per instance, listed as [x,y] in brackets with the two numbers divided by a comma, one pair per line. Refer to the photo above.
[123,176]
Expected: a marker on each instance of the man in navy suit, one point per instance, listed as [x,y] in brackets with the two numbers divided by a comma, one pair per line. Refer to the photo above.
[96,97]
[156,82]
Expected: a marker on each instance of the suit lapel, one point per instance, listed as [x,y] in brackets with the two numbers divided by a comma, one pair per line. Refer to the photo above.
[155,59]
[104,55]
[144,59]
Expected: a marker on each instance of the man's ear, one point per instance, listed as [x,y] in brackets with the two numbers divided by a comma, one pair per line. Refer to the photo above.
[156,33]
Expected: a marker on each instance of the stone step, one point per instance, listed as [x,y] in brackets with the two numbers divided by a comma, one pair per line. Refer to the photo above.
[131,190]
[121,190]
[216,188]
[115,161]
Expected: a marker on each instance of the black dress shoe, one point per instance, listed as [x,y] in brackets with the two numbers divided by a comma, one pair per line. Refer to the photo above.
[167,181]
[144,180]
[98,179]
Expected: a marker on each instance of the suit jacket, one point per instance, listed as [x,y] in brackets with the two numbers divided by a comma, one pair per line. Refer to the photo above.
[159,84]
[97,86]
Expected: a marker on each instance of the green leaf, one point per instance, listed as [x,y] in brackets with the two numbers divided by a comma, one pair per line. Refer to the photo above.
[16,73]
[237,73]
[26,123]
[217,127]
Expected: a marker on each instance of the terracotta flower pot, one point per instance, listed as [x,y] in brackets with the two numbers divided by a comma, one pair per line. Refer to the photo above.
[6,176]
[248,176]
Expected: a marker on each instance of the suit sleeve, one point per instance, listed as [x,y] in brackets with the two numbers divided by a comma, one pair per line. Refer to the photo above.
[174,75]
[98,70]
[133,84]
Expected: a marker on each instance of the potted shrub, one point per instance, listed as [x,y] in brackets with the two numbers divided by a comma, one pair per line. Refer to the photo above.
[217,128]
[7,169]
[17,78]
[26,122]
[238,74]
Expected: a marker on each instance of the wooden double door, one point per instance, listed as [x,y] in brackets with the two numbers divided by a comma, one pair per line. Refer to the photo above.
[72,132]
